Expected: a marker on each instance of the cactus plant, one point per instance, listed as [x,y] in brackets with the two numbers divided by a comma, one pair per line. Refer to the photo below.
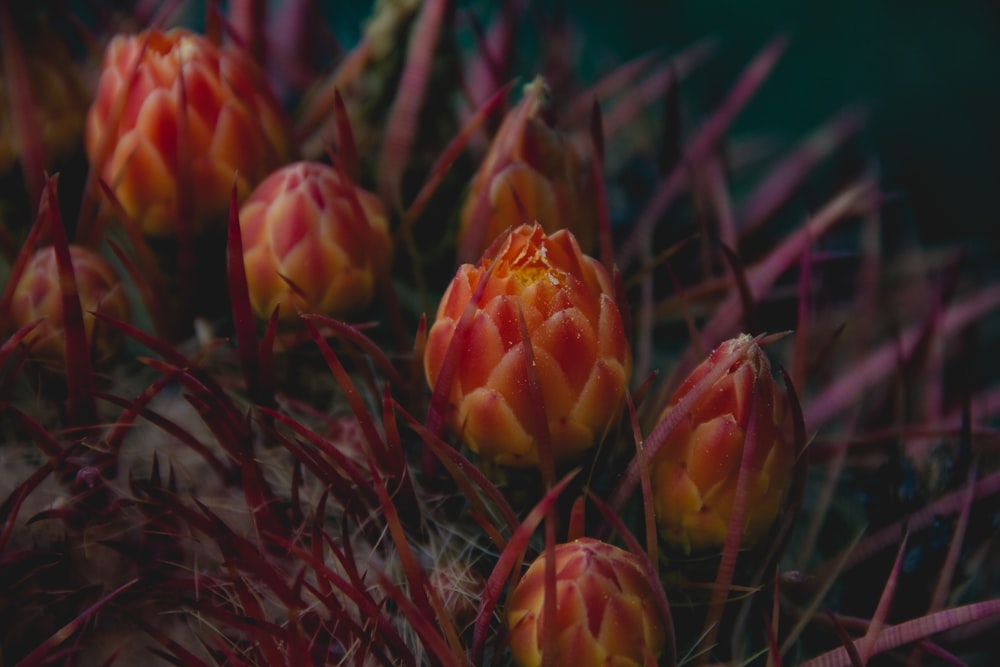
[310,475]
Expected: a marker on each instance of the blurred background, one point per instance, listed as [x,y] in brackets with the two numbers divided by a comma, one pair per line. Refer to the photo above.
[927,72]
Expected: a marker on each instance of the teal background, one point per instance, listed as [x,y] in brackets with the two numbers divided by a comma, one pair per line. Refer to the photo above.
[927,71]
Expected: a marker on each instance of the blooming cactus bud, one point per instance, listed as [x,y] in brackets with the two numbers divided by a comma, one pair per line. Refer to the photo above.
[38,296]
[532,171]
[193,114]
[581,355]
[605,609]
[312,242]
[695,472]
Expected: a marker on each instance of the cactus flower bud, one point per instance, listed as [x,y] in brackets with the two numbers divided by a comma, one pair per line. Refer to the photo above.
[581,355]
[232,125]
[605,609]
[695,472]
[532,170]
[312,242]
[38,296]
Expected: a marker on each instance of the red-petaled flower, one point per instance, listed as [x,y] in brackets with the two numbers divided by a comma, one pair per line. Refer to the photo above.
[532,173]
[38,296]
[582,358]
[605,609]
[312,242]
[232,126]
[696,470]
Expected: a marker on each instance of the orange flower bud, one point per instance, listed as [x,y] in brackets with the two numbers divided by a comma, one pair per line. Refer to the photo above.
[695,472]
[38,296]
[605,609]
[532,171]
[312,242]
[579,347]
[232,126]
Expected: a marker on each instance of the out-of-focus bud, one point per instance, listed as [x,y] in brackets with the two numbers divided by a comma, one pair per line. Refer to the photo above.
[582,357]
[312,242]
[38,296]
[605,609]
[59,100]
[195,114]
[695,472]
[532,171]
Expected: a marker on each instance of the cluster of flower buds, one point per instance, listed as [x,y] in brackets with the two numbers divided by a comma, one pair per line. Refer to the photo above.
[696,471]
[38,297]
[606,612]
[175,119]
[533,172]
[577,342]
[312,242]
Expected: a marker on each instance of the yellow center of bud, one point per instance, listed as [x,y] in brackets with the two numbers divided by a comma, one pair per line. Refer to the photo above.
[530,275]
[532,265]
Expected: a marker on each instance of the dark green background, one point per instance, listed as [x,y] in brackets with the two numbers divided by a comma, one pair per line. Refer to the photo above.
[927,71]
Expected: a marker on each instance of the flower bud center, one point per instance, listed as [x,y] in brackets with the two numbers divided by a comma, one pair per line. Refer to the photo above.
[532,265]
